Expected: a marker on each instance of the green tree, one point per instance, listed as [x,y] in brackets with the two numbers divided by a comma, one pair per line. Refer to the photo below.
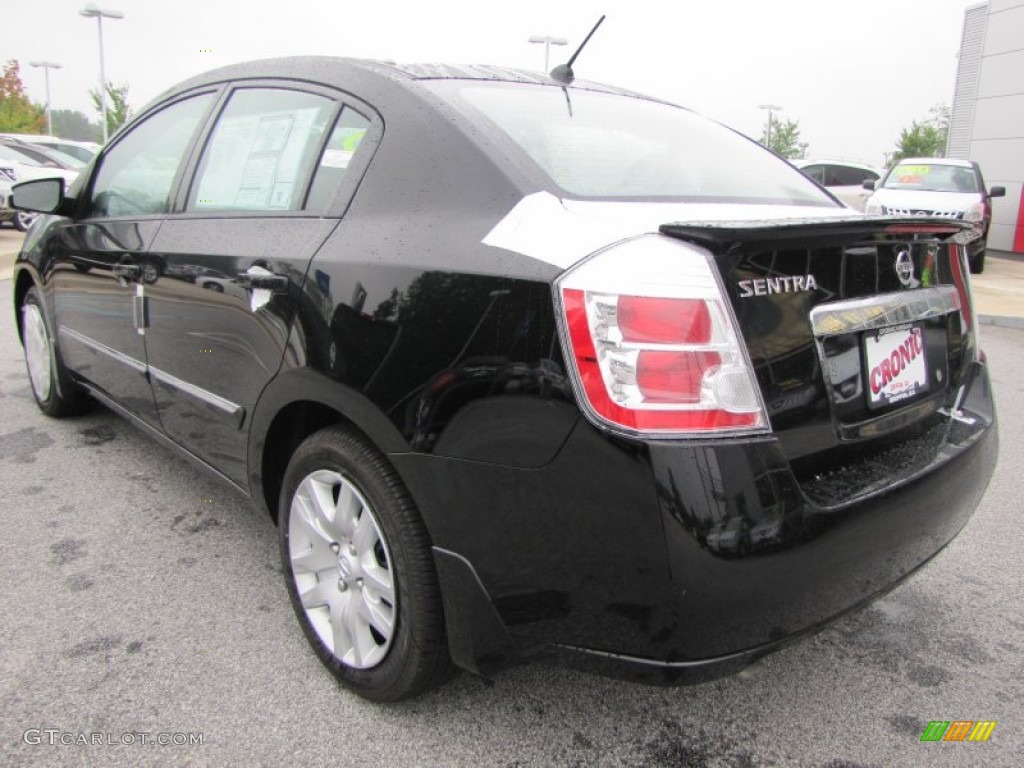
[926,138]
[74,125]
[783,138]
[940,116]
[118,110]
[17,113]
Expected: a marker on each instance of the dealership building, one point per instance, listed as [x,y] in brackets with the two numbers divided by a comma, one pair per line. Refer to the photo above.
[987,119]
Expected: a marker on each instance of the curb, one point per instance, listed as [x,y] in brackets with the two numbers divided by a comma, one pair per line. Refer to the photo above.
[1002,321]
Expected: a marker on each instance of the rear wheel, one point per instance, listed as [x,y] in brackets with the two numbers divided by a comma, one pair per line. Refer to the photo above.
[359,568]
[977,263]
[55,392]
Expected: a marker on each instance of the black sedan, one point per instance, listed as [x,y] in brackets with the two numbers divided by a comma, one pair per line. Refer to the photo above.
[522,366]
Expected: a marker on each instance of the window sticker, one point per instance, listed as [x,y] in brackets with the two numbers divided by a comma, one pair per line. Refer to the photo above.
[343,145]
[272,133]
[912,174]
[255,160]
[336,158]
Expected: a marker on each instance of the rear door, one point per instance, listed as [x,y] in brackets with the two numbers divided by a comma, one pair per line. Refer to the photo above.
[264,194]
[98,257]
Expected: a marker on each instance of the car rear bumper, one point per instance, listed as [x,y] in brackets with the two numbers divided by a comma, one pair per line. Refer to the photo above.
[677,562]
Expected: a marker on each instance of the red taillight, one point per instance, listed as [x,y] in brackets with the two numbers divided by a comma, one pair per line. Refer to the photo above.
[664,321]
[957,264]
[653,344]
[961,279]
[673,377]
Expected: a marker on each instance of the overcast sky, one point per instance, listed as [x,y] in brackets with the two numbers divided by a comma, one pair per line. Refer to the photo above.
[852,73]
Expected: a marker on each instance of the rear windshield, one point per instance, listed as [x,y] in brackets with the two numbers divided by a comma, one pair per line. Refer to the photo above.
[928,177]
[600,145]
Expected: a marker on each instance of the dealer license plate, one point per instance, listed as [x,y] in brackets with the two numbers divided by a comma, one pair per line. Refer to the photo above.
[896,368]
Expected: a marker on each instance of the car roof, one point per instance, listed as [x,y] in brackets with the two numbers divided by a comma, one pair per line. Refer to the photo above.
[373,75]
[826,161]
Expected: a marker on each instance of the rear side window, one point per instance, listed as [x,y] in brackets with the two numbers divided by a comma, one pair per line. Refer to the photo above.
[261,152]
[136,175]
[816,172]
[34,157]
[602,145]
[345,139]
[847,176]
[11,155]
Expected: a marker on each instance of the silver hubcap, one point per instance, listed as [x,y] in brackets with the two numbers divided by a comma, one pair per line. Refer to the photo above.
[37,351]
[342,569]
[25,219]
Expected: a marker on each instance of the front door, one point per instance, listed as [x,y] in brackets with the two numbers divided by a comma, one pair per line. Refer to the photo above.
[99,257]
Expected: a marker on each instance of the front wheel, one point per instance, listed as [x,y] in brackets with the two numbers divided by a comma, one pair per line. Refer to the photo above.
[359,568]
[55,392]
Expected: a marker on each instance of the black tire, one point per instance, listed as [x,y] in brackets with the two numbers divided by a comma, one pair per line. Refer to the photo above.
[414,657]
[977,263]
[56,393]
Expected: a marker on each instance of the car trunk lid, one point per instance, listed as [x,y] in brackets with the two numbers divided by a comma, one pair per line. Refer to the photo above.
[859,328]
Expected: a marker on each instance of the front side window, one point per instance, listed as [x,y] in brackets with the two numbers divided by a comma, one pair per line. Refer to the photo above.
[261,153]
[602,145]
[135,177]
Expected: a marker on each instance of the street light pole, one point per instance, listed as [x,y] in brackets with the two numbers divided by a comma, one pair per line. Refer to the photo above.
[91,11]
[768,131]
[47,66]
[548,42]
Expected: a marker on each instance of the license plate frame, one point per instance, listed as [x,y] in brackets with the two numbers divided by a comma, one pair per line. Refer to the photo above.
[895,365]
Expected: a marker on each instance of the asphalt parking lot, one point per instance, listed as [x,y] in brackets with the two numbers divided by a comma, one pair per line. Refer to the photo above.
[142,598]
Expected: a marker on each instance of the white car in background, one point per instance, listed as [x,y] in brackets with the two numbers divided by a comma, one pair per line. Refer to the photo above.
[842,178]
[83,151]
[7,175]
[26,163]
[938,186]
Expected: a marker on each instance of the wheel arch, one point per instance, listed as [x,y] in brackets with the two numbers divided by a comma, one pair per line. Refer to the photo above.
[297,403]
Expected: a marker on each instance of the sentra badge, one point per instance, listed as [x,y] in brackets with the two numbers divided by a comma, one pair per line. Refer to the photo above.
[765,286]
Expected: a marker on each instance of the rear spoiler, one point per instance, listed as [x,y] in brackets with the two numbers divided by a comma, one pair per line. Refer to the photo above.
[847,227]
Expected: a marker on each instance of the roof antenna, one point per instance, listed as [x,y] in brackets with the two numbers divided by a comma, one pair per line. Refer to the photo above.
[563,72]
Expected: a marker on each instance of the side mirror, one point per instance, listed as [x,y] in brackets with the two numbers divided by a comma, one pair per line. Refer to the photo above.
[38,195]
[997,192]
[868,183]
